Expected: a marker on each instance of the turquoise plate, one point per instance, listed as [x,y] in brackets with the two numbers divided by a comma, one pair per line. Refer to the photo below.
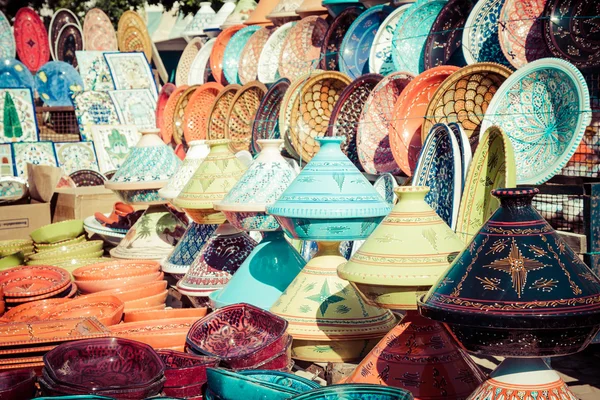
[231,57]
[13,74]
[355,392]
[56,83]
[8,48]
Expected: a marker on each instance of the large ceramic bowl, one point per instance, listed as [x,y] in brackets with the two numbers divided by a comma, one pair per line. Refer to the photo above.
[184,368]
[241,115]
[127,282]
[58,231]
[135,292]
[160,334]
[32,281]
[267,115]
[116,269]
[230,385]
[79,249]
[233,52]
[283,379]
[30,311]
[302,47]
[107,309]
[480,41]
[218,52]
[241,335]
[250,55]
[217,119]
[17,384]
[66,243]
[267,68]
[356,392]
[330,48]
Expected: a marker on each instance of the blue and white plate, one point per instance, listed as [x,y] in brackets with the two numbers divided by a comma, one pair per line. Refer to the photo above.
[439,167]
[380,59]
[56,82]
[233,51]
[466,153]
[480,42]
[13,74]
[385,186]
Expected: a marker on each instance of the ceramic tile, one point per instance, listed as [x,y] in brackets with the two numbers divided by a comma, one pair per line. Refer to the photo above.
[75,156]
[94,108]
[17,106]
[113,144]
[39,153]
[6,160]
[94,71]
[135,107]
[131,71]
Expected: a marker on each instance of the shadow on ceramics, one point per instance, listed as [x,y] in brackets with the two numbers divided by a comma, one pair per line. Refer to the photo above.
[195,155]
[187,249]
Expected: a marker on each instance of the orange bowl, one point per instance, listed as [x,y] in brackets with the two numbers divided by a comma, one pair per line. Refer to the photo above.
[115,270]
[128,294]
[153,308]
[127,282]
[160,334]
[149,315]
[144,302]
[31,311]
[107,309]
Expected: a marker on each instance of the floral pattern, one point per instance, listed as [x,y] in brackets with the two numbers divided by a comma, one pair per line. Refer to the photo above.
[39,153]
[188,248]
[135,107]
[480,37]
[380,58]
[94,108]
[23,104]
[75,156]
[131,71]
[94,71]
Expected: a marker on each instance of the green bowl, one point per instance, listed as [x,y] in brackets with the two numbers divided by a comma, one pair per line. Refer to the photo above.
[12,260]
[50,246]
[8,247]
[77,249]
[53,233]
[66,259]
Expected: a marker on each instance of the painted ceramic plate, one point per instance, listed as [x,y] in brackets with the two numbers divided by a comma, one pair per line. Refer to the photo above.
[544,108]
[464,97]
[86,177]
[217,122]
[18,122]
[98,32]
[186,60]
[241,113]
[233,51]
[302,47]
[248,64]
[196,75]
[56,83]
[376,120]
[492,167]
[8,48]
[218,52]
[267,67]
[31,39]
[266,121]
[94,108]
[167,130]
[76,156]
[132,34]
[334,37]
[197,111]
[464,146]
[179,113]
[439,168]
[480,36]
[345,117]
[444,43]
[68,42]
[380,59]
[411,33]
[94,71]
[163,97]
[60,18]
[135,107]
[385,185]
[14,74]
[356,46]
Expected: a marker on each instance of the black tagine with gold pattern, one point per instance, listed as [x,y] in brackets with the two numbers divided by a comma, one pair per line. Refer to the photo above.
[517,289]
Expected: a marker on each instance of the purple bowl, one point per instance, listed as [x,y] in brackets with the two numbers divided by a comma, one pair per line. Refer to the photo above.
[279,361]
[104,364]
[183,369]
[241,335]
[187,391]
[17,384]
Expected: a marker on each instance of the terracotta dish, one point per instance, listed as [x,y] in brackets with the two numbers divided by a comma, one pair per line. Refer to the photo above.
[148,315]
[116,269]
[107,309]
[160,334]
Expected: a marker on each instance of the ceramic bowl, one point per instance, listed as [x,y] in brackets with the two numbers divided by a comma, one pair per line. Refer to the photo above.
[218,52]
[59,231]
[145,302]
[148,315]
[230,385]
[131,293]
[267,115]
[241,114]
[27,282]
[74,263]
[32,310]
[116,269]
[107,284]
[302,47]
[17,384]
[283,379]
[241,335]
[12,260]
[356,391]
[267,68]
[66,243]
[160,334]
[185,392]
[184,369]
[14,245]
[79,249]
[65,259]
[217,121]
[233,51]
[68,291]
[107,309]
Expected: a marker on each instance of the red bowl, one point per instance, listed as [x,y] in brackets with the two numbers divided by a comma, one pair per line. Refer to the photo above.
[17,384]
[184,392]
[280,361]
[184,369]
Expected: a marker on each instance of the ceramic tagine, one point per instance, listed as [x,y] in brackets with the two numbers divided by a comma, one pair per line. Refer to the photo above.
[201,20]
[517,290]
[242,12]
[213,28]
[187,249]
[195,155]
[284,11]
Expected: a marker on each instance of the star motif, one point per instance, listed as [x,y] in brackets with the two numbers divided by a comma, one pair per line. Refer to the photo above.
[517,267]
[31,43]
[325,298]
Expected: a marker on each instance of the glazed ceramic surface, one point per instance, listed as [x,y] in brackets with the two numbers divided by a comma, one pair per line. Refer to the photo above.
[480,37]
[113,144]
[179,112]
[197,111]
[376,117]
[19,122]
[302,47]
[233,51]
[37,153]
[130,71]
[8,48]
[68,42]
[94,71]
[57,82]
[240,14]
[201,20]
[61,18]
[267,68]
[33,281]
[330,49]
[217,124]
[94,108]
[356,392]
[250,55]
[132,34]
[185,61]
[552,113]
[241,113]
[218,52]
[380,56]
[266,120]
[14,74]
[75,156]
[464,147]
[188,248]
[31,39]
[230,385]
[196,154]
[135,107]
[98,31]
[197,72]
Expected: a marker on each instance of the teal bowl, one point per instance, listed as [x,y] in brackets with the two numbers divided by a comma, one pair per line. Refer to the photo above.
[227,385]
[283,379]
[334,229]
[77,397]
[356,391]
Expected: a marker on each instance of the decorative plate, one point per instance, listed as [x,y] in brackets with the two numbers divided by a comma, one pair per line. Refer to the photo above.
[113,144]
[218,52]
[135,107]
[444,43]
[380,58]
[356,47]
[37,332]
[385,185]
[302,47]
[179,113]
[38,153]
[464,146]
[94,71]
[198,67]
[248,64]
[411,34]
[347,110]
[87,178]
[374,124]
[18,122]
[130,71]
[312,109]
[185,61]
[411,105]
[56,83]
[98,32]
[217,122]
[68,42]
[521,32]
[241,114]
[197,111]
[94,108]
[492,167]
[31,39]
[464,97]
[132,34]
[233,51]
[544,108]
[14,74]
[75,156]
[8,49]
[163,97]
[266,121]
[334,36]
[167,131]
[480,36]
[60,18]
[267,66]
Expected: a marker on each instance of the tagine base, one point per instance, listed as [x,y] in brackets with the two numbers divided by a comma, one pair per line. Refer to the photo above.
[391,297]
[334,351]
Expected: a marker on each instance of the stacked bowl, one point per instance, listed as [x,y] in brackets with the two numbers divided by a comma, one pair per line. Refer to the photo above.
[13,252]
[17,384]
[185,373]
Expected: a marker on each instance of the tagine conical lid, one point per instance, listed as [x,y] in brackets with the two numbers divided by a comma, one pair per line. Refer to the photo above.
[196,154]
[420,351]
[285,11]
[201,20]
[320,306]
[240,15]
[258,16]
[404,255]
[188,248]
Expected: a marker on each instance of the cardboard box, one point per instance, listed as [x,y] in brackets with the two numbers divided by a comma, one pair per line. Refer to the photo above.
[81,202]
[18,221]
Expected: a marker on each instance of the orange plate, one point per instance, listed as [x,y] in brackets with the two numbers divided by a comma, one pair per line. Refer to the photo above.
[128,282]
[160,334]
[31,281]
[129,293]
[115,269]
[31,311]
[197,112]
[168,122]
[148,315]
[107,309]
[218,51]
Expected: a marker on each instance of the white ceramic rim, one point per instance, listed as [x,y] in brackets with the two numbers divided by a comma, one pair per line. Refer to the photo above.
[268,59]
[465,41]
[198,67]
[374,65]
